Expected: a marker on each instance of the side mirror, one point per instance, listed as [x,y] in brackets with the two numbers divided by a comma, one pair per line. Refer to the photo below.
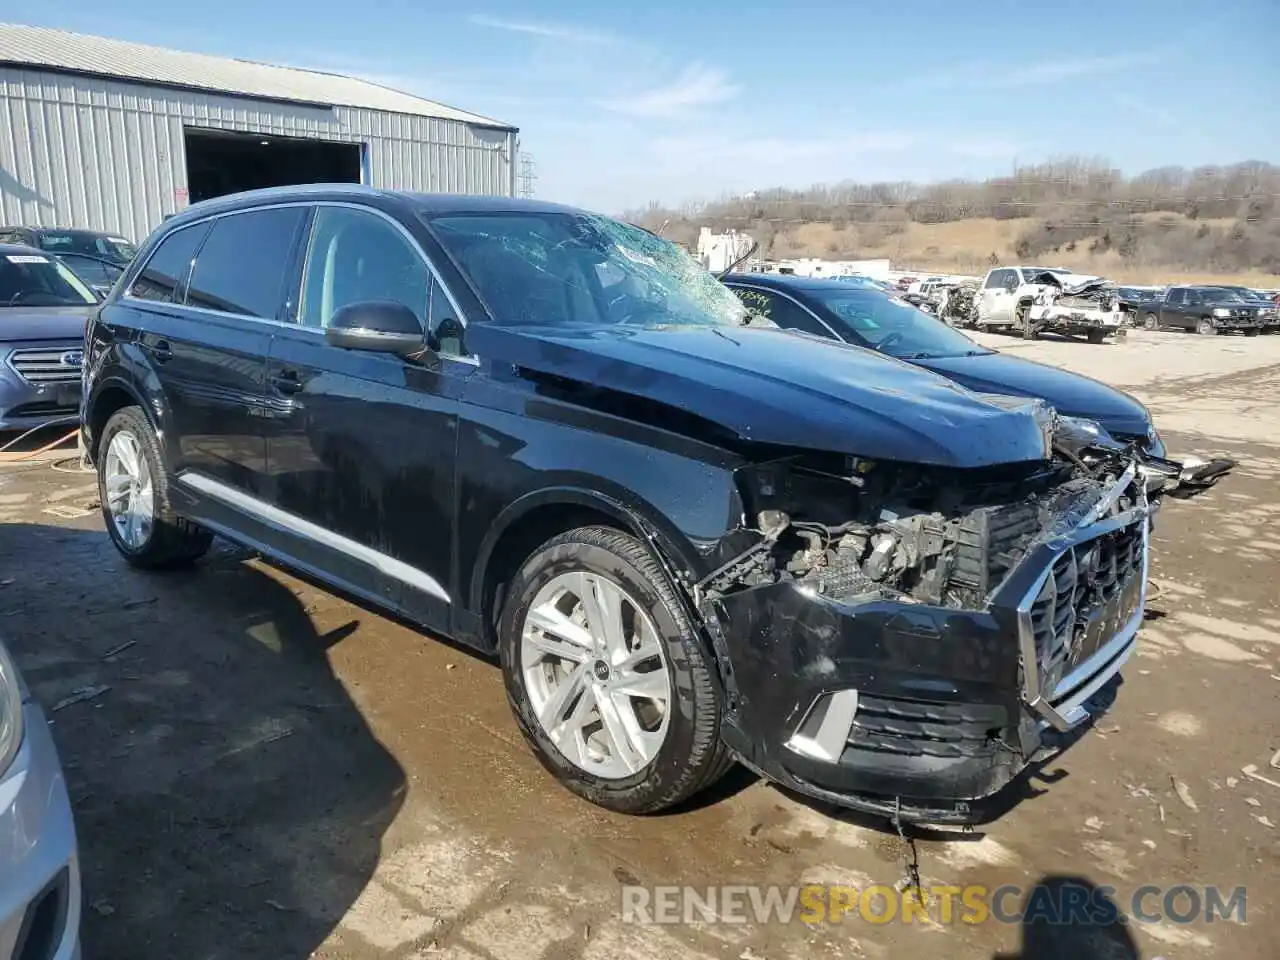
[379,326]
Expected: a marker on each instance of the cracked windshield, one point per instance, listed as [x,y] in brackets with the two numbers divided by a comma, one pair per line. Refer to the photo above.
[583,270]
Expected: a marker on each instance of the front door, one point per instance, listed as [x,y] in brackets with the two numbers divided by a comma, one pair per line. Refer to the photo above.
[361,446]
[991,304]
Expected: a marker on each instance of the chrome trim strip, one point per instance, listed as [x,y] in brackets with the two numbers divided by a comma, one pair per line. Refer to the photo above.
[290,523]
[833,732]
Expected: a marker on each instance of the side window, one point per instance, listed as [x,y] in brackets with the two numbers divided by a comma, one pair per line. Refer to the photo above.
[242,266]
[165,275]
[996,279]
[354,256]
[757,301]
[782,311]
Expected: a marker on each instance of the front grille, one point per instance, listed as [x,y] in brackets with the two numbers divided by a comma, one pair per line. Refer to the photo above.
[46,365]
[923,728]
[1080,303]
[1077,609]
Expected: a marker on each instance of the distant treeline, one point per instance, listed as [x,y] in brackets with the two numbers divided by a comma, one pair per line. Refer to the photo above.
[1075,203]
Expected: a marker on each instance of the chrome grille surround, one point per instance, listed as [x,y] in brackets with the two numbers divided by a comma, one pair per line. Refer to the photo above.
[1100,570]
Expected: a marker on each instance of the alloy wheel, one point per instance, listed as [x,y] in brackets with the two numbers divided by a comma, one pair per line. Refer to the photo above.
[128,490]
[596,674]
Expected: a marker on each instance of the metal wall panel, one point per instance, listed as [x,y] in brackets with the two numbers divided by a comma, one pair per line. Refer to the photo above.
[106,155]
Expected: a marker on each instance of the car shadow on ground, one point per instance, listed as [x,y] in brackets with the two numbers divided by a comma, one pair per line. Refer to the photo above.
[1071,918]
[230,798]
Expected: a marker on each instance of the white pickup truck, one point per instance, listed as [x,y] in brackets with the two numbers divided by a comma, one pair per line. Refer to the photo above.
[1035,300]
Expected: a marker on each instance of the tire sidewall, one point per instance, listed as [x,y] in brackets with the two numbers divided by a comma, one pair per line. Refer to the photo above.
[132,422]
[669,766]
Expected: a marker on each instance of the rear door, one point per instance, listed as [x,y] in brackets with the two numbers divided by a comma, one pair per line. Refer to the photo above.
[361,446]
[209,349]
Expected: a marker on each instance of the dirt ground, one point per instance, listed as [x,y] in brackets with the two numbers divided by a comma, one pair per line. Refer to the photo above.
[273,772]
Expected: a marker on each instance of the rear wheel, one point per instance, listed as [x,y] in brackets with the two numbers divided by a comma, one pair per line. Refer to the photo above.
[1096,336]
[1252,332]
[134,492]
[1151,322]
[606,675]
[1205,327]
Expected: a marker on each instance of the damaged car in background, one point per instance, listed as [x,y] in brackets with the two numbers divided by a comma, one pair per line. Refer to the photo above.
[1035,300]
[691,537]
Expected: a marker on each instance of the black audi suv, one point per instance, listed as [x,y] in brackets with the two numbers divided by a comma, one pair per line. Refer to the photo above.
[690,537]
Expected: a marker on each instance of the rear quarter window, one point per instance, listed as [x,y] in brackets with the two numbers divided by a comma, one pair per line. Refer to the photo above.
[164,278]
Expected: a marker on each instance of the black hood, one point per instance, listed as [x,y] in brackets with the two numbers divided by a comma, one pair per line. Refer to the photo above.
[1069,393]
[778,387]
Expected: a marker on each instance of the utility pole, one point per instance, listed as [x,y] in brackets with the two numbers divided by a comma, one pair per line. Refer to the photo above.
[528,175]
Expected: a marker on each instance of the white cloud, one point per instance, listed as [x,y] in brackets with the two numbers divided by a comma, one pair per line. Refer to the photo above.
[1148,110]
[549,31]
[994,76]
[696,86]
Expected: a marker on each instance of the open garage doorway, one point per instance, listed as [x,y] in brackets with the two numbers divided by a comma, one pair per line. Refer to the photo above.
[221,162]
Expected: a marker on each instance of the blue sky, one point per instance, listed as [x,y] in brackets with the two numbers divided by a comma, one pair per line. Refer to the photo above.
[674,100]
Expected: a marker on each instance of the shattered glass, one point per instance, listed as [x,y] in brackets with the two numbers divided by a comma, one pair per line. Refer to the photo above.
[564,268]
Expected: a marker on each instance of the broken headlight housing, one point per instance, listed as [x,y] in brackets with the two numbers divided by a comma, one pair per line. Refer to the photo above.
[10,711]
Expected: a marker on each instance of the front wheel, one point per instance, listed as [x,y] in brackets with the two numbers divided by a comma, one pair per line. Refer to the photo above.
[1151,322]
[1205,327]
[134,491]
[1026,325]
[1096,336]
[1252,332]
[607,677]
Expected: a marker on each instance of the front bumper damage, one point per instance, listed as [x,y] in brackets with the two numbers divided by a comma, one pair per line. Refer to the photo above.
[926,712]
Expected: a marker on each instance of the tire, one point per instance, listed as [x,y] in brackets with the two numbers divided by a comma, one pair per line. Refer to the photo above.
[691,755]
[1252,332]
[1028,329]
[170,540]
[1151,322]
[1096,336]
[1205,327]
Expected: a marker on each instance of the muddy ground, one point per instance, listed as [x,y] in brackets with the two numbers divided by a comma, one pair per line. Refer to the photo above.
[272,772]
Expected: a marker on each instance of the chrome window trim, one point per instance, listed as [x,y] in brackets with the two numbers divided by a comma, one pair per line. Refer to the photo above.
[128,296]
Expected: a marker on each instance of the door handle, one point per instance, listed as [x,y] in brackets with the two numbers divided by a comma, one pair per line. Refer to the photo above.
[161,351]
[286,381]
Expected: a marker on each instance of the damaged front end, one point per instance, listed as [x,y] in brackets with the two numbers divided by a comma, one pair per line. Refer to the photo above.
[1070,305]
[903,639]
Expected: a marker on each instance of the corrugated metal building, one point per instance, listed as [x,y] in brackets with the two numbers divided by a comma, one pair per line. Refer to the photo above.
[109,135]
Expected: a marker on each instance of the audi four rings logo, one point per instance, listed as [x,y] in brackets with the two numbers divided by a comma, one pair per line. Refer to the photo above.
[72,358]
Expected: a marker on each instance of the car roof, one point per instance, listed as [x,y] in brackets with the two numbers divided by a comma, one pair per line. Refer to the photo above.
[17,248]
[786,281]
[433,204]
[66,231]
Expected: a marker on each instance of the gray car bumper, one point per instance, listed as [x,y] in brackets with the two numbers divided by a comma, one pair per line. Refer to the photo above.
[49,392]
[39,868]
